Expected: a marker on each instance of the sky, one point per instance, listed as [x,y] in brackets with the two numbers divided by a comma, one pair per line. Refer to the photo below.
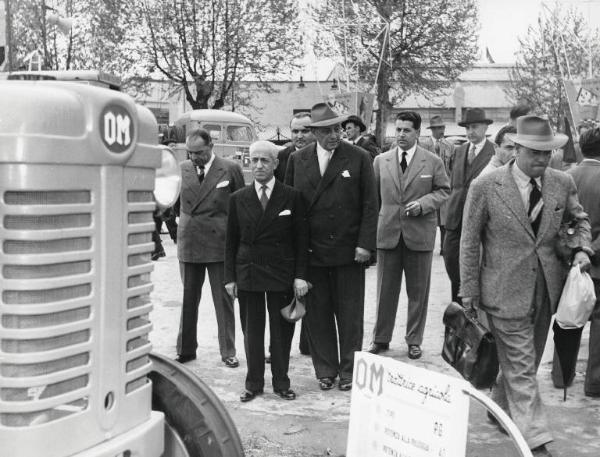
[504,21]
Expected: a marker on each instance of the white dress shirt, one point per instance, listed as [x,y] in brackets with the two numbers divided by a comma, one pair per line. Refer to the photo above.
[409,154]
[524,185]
[324,157]
[268,190]
[207,164]
[478,148]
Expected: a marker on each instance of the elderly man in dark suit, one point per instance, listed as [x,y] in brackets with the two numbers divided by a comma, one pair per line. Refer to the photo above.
[587,179]
[469,160]
[266,256]
[509,267]
[301,137]
[338,186]
[412,185]
[207,183]
[355,128]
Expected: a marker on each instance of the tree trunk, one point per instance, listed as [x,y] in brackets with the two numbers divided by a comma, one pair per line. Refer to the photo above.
[383,103]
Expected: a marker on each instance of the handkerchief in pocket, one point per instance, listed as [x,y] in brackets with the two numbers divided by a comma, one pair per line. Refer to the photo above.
[285,212]
[426,176]
[346,174]
[222,184]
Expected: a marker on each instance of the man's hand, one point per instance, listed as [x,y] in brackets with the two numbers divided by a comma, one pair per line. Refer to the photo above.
[231,288]
[361,255]
[413,209]
[470,302]
[583,260]
[300,287]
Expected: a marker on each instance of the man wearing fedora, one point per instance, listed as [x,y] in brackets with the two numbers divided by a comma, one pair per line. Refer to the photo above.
[338,185]
[469,159]
[442,148]
[355,128]
[509,267]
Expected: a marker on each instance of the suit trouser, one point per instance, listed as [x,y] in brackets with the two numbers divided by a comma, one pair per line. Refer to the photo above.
[192,276]
[520,344]
[416,266]
[337,296]
[592,372]
[252,316]
[451,260]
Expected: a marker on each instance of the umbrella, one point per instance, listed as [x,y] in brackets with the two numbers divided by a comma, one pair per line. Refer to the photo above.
[566,343]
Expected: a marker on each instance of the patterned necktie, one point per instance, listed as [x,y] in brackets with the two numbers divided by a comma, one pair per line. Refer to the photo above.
[403,163]
[535,206]
[437,147]
[263,196]
[471,156]
[200,171]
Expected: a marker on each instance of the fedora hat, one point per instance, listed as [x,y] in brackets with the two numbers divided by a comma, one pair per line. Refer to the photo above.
[323,116]
[474,116]
[436,121]
[535,132]
[355,120]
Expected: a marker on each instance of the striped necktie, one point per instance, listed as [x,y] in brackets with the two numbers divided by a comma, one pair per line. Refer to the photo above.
[535,206]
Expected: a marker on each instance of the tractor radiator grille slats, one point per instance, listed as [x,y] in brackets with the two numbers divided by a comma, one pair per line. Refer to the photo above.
[46,315]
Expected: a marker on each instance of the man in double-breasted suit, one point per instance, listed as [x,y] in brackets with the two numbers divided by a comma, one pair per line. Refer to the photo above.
[207,183]
[412,184]
[266,254]
[444,149]
[338,186]
[469,159]
[509,267]
[587,179]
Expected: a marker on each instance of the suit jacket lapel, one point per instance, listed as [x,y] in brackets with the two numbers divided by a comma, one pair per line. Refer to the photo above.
[550,203]
[393,166]
[189,177]
[510,195]
[337,162]
[273,206]
[252,205]
[481,160]
[311,165]
[414,168]
[216,171]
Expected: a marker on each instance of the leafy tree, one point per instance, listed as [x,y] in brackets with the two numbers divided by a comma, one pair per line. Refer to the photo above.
[553,49]
[207,46]
[403,46]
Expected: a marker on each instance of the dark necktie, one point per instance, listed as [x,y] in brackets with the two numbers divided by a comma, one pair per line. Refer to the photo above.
[403,163]
[263,196]
[471,155]
[535,206]
[437,147]
[200,171]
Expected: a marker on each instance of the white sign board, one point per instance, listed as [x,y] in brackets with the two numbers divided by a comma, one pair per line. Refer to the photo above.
[400,410]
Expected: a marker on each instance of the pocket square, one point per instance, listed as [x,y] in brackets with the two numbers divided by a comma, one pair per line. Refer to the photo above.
[426,176]
[346,174]
[285,212]
[222,184]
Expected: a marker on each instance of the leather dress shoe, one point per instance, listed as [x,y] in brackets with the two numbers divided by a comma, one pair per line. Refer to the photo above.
[414,351]
[286,394]
[157,255]
[182,358]
[248,395]
[231,362]
[326,383]
[541,451]
[376,348]
[345,386]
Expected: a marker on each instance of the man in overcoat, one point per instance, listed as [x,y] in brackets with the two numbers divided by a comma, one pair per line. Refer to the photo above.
[412,184]
[207,183]
[265,260]
[509,267]
[469,160]
[338,186]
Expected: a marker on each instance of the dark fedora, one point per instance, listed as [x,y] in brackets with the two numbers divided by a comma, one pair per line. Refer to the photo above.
[323,116]
[474,116]
[436,121]
[535,132]
[355,120]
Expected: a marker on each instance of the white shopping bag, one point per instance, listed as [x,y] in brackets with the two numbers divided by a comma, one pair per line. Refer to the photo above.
[577,300]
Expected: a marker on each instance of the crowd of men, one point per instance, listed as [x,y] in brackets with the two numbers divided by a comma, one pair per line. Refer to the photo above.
[323,209]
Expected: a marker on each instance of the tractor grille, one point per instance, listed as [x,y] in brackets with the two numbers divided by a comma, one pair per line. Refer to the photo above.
[46,308]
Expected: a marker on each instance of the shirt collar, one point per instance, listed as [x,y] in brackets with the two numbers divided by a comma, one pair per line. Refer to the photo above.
[522,179]
[321,150]
[478,146]
[209,163]
[269,184]
[409,152]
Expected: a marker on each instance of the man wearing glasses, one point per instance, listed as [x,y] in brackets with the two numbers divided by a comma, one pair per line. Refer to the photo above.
[338,186]
[207,183]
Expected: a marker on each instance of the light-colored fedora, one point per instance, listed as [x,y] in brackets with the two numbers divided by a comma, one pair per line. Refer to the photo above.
[323,116]
[535,132]
[436,121]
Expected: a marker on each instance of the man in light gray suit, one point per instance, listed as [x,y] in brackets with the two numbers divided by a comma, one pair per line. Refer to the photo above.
[412,184]
[509,267]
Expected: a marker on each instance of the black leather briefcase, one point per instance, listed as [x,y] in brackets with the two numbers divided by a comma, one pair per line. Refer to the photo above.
[469,347]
